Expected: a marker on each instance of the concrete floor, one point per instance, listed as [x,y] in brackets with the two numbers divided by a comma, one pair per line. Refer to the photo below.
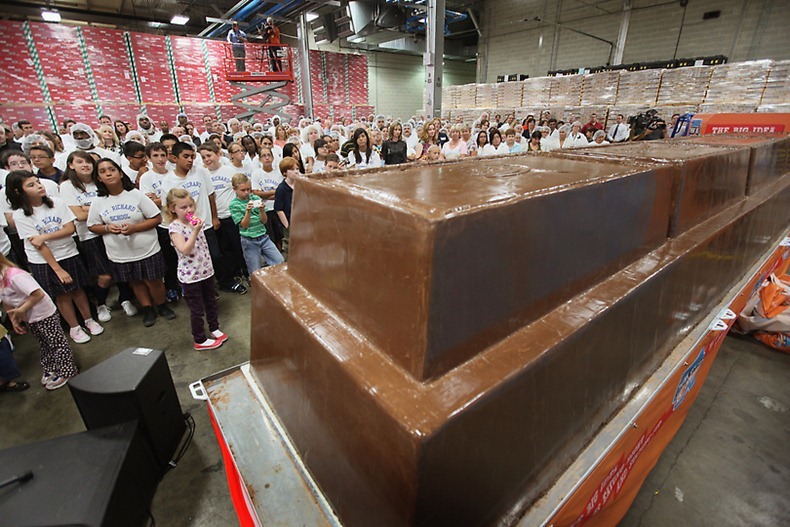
[728,465]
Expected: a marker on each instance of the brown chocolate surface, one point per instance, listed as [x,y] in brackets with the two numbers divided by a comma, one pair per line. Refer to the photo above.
[769,156]
[484,437]
[494,432]
[705,179]
[433,264]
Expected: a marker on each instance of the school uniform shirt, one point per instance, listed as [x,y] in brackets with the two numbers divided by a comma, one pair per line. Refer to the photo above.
[199,185]
[267,181]
[130,206]
[103,152]
[52,188]
[151,183]
[46,220]
[221,179]
[131,173]
[5,243]
[74,197]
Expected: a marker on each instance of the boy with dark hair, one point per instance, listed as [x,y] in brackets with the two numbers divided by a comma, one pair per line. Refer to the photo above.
[43,159]
[228,233]
[138,161]
[150,184]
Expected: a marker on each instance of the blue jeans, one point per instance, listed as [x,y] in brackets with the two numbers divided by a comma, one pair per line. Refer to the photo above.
[258,249]
[8,369]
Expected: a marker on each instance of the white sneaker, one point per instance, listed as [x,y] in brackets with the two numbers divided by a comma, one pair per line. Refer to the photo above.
[94,327]
[104,313]
[46,378]
[56,382]
[129,308]
[79,336]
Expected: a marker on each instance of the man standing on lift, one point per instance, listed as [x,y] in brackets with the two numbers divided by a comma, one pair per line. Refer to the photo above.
[237,38]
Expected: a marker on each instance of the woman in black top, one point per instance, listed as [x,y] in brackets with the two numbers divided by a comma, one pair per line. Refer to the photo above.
[393,150]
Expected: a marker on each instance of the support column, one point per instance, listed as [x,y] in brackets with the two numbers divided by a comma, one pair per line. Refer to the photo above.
[433,58]
[623,34]
[304,62]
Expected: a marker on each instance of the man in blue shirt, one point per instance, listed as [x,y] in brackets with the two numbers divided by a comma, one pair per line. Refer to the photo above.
[237,38]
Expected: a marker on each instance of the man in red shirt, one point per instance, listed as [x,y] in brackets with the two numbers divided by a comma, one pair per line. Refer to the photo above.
[271,35]
[593,125]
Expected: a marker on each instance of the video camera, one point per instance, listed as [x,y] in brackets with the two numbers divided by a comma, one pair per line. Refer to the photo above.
[647,121]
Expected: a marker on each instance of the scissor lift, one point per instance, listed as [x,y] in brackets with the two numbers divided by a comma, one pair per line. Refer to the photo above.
[260,71]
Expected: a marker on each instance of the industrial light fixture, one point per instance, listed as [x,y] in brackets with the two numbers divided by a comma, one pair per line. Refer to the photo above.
[179,20]
[50,16]
[311,16]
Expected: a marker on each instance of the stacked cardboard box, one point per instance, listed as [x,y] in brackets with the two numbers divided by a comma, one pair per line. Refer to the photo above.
[600,89]
[739,85]
[467,96]
[638,88]
[190,71]
[358,80]
[776,97]
[684,86]
[566,90]
[536,92]
[485,96]
[509,93]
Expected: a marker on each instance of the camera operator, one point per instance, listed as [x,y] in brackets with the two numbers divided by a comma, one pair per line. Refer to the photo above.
[647,126]
[271,35]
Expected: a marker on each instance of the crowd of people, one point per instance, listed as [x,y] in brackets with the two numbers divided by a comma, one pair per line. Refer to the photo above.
[165,212]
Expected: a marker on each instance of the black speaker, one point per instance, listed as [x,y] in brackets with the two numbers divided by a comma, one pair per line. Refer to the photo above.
[133,385]
[101,478]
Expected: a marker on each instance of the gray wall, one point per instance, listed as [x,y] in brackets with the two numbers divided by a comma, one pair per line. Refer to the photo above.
[746,30]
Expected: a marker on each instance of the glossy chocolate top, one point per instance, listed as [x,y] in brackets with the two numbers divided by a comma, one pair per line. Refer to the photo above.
[441,190]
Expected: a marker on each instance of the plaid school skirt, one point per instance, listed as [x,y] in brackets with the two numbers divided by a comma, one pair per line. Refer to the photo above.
[151,268]
[50,282]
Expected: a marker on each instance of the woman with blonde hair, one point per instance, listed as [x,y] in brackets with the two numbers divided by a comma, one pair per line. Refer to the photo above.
[280,137]
[109,139]
[429,135]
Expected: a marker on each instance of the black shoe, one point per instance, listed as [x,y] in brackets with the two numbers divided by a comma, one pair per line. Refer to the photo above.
[235,287]
[149,316]
[166,313]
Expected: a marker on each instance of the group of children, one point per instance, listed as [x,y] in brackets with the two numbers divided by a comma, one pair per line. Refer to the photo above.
[101,226]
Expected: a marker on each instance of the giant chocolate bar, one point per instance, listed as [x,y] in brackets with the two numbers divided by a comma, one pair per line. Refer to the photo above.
[479,441]
[410,254]
[705,179]
[769,155]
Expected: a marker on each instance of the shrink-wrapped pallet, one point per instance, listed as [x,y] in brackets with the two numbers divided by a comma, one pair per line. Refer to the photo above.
[600,89]
[535,92]
[727,108]
[739,83]
[777,89]
[509,93]
[485,96]
[684,85]
[582,114]
[638,88]
[467,94]
[566,90]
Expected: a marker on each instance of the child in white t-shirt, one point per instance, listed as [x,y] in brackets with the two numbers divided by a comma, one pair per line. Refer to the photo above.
[46,224]
[126,219]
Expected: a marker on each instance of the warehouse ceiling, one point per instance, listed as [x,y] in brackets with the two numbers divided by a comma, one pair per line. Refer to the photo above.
[209,17]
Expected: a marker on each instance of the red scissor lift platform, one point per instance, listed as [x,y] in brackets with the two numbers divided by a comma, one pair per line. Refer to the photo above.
[259,71]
